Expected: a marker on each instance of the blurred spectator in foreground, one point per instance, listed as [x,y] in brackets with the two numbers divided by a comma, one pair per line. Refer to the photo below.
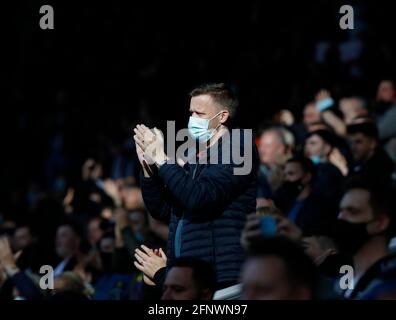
[70,282]
[319,245]
[189,279]
[278,269]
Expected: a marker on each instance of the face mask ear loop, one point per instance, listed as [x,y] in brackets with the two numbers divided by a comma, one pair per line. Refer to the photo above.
[215,129]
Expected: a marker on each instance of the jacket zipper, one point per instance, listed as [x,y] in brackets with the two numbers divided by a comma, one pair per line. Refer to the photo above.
[180,226]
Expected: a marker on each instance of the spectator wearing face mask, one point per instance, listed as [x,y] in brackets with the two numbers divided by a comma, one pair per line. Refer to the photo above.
[205,205]
[318,147]
[297,200]
[363,229]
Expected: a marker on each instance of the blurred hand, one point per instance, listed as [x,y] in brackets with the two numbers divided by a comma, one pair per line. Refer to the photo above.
[337,159]
[263,202]
[112,190]
[155,151]
[313,248]
[121,218]
[251,230]
[80,269]
[149,261]
[3,276]
[275,176]
[288,229]
[144,136]
[7,259]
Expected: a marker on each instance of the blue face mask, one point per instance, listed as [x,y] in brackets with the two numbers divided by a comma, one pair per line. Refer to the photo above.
[199,128]
[315,159]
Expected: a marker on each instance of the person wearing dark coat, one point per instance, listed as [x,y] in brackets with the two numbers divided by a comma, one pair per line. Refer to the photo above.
[370,161]
[205,202]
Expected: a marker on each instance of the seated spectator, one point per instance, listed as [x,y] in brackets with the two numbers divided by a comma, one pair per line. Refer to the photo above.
[369,159]
[385,115]
[97,227]
[15,283]
[71,282]
[189,279]
[26,242]
[68,241]
[364,227]
[298,201]
[275,148]
[112,283]
[278,269]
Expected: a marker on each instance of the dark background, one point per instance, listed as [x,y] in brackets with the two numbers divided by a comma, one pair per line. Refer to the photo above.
[77,91]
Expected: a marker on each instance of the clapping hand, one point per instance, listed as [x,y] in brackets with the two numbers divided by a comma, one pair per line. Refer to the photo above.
[149,145]
[149,261]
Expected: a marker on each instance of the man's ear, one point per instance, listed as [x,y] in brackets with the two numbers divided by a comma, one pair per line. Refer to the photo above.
[224,116]
[379,224]
[373,144]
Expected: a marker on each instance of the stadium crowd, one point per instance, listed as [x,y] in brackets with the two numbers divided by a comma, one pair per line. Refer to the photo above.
[325,201]
[317,215]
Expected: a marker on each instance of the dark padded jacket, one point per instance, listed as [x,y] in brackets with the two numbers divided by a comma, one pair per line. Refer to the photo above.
[206,207]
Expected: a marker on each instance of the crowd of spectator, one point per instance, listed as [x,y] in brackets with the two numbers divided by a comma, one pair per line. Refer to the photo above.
[325,199]
[71,196]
